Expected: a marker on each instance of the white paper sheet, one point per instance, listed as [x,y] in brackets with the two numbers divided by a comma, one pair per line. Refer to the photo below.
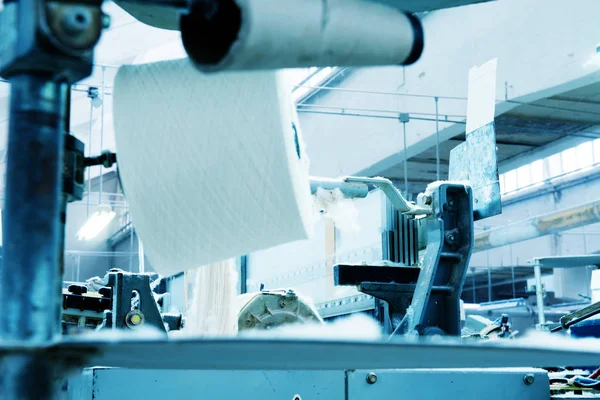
[213,166]
[481,103]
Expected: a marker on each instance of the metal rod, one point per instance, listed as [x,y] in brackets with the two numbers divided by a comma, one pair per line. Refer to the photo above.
[141,263]
[374,110]
[101,135]
[345,114]
[539,292]
[512,271]
[89,152]
[31,231]
[349,189]
[405,161]
[437,141]
[131,248]
[337,89]
[489,273]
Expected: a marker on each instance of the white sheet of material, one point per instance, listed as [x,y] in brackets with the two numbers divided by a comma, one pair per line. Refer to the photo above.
[213,166]
[481,103]
[213,311]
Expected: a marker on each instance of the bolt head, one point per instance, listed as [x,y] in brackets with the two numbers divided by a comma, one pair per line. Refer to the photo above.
[528,379]
[371,378]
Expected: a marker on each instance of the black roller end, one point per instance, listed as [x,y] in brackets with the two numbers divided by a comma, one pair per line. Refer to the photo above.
[418,42]
[209,30]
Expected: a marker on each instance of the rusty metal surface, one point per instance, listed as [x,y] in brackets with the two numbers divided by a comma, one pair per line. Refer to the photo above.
[476,161]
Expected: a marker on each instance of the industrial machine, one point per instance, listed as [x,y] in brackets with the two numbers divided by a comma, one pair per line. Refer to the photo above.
[47,45]
[124,301]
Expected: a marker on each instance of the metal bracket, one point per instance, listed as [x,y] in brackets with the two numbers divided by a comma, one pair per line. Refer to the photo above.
[436,300]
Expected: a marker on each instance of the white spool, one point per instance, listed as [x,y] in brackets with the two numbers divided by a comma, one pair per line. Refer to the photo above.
[213,167]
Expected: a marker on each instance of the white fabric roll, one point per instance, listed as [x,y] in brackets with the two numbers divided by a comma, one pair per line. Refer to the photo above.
[213,166]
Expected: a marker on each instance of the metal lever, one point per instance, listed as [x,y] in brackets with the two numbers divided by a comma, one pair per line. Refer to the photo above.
[566,321]
[396,198]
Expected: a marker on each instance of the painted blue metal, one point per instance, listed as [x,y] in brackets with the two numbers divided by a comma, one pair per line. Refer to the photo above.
[469,384]
[115,384]
[30,277]
[473,384]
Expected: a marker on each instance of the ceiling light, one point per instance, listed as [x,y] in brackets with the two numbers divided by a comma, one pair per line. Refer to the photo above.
[96,223]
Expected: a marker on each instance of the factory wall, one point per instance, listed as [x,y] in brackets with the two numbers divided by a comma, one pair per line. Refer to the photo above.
[307,266]
[568,283]
[544,47]
[85,259]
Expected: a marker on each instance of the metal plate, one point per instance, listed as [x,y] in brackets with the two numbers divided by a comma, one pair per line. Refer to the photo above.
[255,354]
[567,261]
[469,384]
[111,384]
[476,161]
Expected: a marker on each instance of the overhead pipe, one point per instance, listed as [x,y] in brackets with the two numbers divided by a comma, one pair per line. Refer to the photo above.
[270,34]
[541,225]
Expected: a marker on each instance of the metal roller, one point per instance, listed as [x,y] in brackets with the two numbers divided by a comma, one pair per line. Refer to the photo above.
[268,34]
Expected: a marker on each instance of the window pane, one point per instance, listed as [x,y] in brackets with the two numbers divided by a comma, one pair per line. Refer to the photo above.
[585,156]
[596,146]
[523,176]
[554,165]
[537,171]
[569,160]
[510,181]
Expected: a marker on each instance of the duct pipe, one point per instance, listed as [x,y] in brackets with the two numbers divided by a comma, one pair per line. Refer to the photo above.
[542,225]
[271,34]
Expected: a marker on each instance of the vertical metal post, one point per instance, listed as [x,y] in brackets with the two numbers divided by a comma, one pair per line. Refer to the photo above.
[437,140]
[31,231]
[405,161]
[141,262]
[102,134]
[89,170]
[539,292]
[78,267]
[512,270]
[489,271]
[131,232]
[473,279]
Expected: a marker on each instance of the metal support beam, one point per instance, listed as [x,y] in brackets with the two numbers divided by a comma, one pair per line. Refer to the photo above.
[31,221]
[532,228]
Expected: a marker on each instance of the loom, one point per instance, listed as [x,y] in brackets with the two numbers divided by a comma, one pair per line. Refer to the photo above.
[46,46]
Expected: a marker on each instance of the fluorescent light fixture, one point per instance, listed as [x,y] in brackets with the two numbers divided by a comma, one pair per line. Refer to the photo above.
[96,223]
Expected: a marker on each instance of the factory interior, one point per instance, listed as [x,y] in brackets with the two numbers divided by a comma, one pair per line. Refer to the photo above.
[300,199]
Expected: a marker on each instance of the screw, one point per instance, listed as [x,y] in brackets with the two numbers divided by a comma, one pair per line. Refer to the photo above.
[371,378]
[282,304]
[528,379]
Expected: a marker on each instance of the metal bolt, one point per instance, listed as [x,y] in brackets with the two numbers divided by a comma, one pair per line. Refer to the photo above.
[528,379]
[76,20]
[106,21]
[371,378]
